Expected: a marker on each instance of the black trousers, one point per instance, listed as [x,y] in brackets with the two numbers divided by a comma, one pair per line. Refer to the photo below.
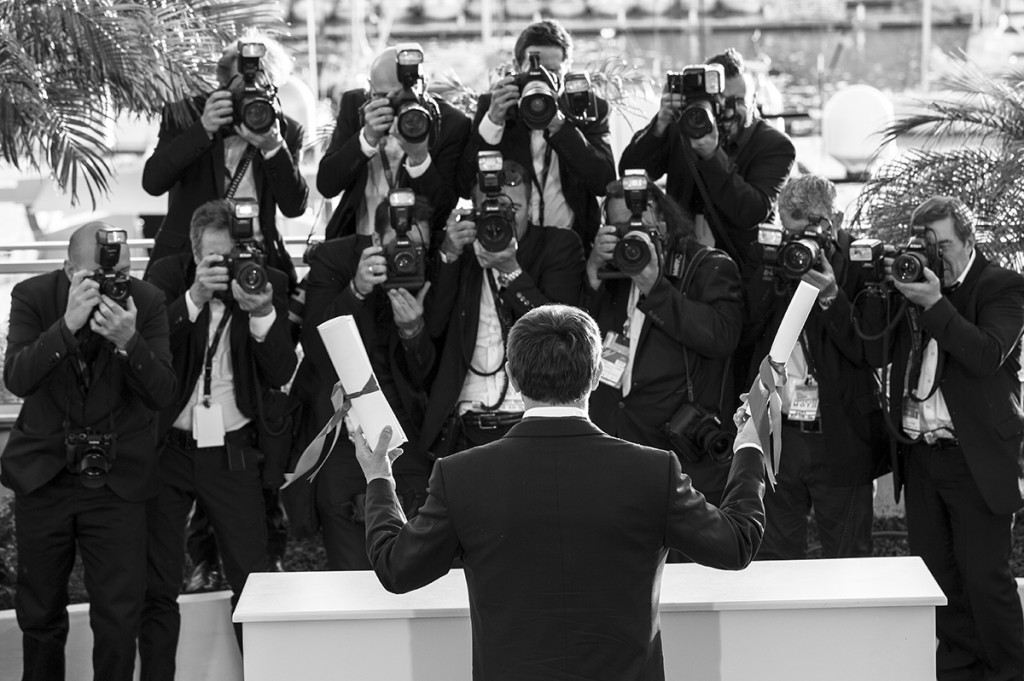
[843,513]
[234,502]
[111,534]
[201,542]
[967,549]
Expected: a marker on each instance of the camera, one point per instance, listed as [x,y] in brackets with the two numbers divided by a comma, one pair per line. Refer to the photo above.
[908,261]
[245,263]
[700,86]
[580,102]
[113,283]
[495,217]
[90,456]
[254,99]
[794,253]
[406,261]
[695,432]
[632,253]
[538,94]
[413,118]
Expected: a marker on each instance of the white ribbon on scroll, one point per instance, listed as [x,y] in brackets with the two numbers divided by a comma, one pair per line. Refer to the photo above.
[370,409]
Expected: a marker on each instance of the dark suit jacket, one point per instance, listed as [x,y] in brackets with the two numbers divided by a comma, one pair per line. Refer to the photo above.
[856,446]
[123,394]
[344,168]
[190,166]
[563,532]
[743,185]
[978,330]
[585,161]
[256,366]
[552,263]
[705,320]
[401,365]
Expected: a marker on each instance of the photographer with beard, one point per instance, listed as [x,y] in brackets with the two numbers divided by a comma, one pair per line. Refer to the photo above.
[570,158]
[93,368]
[369,154]
[218,156]
[350,276]
[833,438]
[669,330]
[728,178]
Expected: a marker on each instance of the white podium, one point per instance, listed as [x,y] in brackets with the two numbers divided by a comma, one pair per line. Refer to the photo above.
[851,619]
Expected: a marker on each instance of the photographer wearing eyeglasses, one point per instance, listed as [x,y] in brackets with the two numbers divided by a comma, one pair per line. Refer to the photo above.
[233,142]
[548,119]
[88,350]
[670,312]
[392,135]
[496,265]
[954,408]
[724,164]
[833,439]
[384,282]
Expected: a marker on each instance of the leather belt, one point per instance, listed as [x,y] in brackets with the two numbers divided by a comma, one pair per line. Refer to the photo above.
[182,439]
[942,443]
[491,420]
[803,426]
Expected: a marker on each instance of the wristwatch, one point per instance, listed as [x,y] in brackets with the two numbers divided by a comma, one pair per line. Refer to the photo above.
[506,278]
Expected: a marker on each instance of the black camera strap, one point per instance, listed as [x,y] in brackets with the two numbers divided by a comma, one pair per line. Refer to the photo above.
[208,362]
[243,165]
[714,221]
[689,270]
[542,181]
[504,324]
[385,162]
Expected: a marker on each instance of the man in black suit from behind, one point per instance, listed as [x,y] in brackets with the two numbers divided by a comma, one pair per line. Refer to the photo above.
[230,346]
[366,138]
[84,364]
[563,530]
[569,161]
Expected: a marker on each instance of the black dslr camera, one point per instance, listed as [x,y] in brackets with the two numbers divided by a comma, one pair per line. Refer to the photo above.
[245,263]
[538,94]
[908,261]
[701,87]
[695,432]
[90,455]
[406,262]
[495,217]
[113,283]
[794,253]
[580,102]
[413,117]
[632,253]
[254,99]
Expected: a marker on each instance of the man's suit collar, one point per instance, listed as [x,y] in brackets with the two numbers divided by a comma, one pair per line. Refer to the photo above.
[554,427]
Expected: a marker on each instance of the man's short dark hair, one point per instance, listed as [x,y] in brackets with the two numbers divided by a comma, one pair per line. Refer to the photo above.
[546,33]
[210,217]
[731,60]
[422,212]
[554,352]
[940,207]
[679,225]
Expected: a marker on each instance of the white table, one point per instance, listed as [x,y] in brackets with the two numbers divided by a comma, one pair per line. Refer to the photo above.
[855,619]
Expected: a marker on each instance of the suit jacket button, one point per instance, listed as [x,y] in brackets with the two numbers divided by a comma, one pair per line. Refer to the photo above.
[622,405]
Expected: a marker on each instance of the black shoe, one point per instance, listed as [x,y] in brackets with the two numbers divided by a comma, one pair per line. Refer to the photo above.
[204,577]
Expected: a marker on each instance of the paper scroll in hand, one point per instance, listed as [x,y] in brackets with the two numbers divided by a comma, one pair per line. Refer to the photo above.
[764,398]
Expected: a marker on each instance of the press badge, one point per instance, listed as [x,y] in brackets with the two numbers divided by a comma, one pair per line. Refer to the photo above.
[614,355]
[804,406]
[911,417]
[208,425]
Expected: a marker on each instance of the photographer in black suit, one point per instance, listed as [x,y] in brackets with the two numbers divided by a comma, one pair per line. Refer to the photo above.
[561,139]
[93,364]
[670,310]
[231,344]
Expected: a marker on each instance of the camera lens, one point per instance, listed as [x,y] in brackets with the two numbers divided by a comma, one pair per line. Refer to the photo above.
[696,120]
[413,123]
[251,277]
[403,262]
[537,105]
[494,232]
[94,467]
[631,254]
[798,257]
[718,445]
[258,114]
[908,267]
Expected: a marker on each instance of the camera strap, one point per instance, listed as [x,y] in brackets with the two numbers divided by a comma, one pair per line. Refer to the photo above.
[385,162]
[504,325]
[541,181]
[243,165]
[715,222]
[208,361]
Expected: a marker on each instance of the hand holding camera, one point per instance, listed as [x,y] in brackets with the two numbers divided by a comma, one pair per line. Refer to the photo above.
[504,96]
[823,277]
[114,322]
[671,102]
[407,310]
[217,112]
[264,141]
[925,291]
[459,231]
[83,297]
[500,261]
[211,278]
[378,117]
[371,270]
[256,303]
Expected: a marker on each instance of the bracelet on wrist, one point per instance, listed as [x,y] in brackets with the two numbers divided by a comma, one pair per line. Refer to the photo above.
[506,278]
[355,292]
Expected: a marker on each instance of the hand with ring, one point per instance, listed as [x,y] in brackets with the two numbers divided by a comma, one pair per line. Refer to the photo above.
[372,270]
